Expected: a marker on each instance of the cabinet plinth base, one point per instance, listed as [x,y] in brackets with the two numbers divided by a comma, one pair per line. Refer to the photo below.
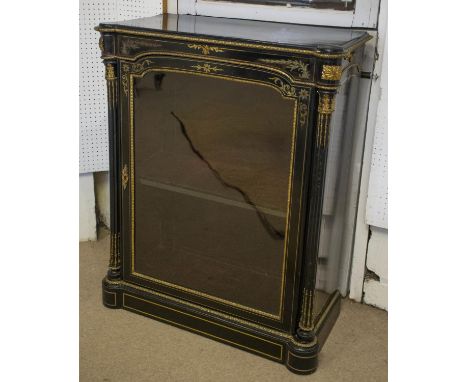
[299,357]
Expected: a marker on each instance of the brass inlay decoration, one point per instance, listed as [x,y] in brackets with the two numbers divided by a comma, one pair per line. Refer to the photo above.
[303,94]
[217,313]
[348,56]
[280,346]
[296,356]
[207,68]
[306,320]
[331,72]
[206,49]
[292,65]
[110,72]
[325,109]
[124,78]
[127,68]
[114,261]
[303,106]
[114,295]
[101,44]
[130,43]
[140,65]
[287,89]
[111,85]
[125,177]
[326,103]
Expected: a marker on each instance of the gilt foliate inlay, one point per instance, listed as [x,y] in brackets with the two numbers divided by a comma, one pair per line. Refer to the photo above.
[207,68]
[206,49]
[331,72]
[129,44]
[303,106]
[326,103]
[287,89]
[127,68]
[125,177]
[140,66]
[325,109]
[114,261]
[110,72]
[294,66]
[305,322]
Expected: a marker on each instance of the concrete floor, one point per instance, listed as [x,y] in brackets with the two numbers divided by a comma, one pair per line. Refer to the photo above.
[118,346]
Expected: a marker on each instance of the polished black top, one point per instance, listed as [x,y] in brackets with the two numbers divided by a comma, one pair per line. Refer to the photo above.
[272,33]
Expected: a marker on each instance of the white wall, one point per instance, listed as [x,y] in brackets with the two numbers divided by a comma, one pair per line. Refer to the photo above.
[364,16]
[101,189]
[94,155]
[376,281]
[375,291]
[87,208]
[93,105]
[369,272]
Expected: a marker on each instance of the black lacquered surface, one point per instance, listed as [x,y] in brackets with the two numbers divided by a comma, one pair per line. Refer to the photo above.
[212,167]
[304,36]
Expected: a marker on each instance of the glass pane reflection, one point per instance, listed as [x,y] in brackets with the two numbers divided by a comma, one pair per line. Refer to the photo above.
[212,162]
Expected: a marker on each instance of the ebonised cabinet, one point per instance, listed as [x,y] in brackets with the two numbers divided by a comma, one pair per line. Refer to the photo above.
[219,136]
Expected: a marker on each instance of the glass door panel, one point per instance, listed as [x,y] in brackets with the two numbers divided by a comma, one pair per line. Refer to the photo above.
[212,162]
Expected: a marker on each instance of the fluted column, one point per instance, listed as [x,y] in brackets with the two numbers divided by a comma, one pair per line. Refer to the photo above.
[325,108]
[114,145]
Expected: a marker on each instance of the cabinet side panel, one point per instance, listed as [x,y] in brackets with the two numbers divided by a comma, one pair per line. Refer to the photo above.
[340,196]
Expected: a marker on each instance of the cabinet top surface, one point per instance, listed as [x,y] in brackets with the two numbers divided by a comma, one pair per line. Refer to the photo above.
[314,38]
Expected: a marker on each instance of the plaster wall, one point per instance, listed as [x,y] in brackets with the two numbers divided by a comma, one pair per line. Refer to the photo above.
[87,208]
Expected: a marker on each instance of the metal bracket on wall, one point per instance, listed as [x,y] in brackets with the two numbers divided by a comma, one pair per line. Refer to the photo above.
[369,75]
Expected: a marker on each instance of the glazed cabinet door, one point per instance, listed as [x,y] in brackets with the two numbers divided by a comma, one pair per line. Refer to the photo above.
[213,159]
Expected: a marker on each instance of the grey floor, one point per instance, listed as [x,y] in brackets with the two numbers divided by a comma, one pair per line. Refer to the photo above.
[119,346]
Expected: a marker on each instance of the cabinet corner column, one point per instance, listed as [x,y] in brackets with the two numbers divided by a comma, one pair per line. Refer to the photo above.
[325,108]
[111,70]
